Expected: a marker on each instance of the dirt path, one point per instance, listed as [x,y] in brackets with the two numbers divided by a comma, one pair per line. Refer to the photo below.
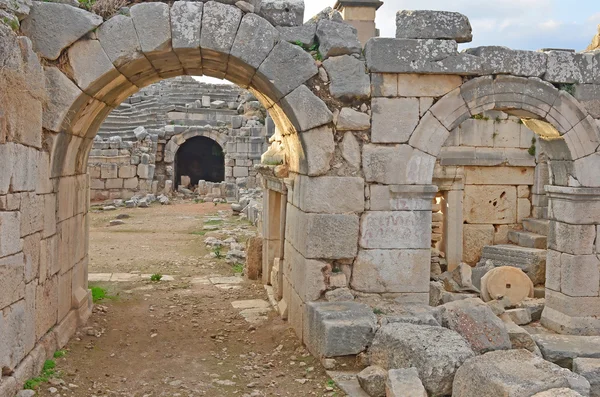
[179,338]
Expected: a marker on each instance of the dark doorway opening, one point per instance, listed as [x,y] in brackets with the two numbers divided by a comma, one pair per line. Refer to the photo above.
[200,158]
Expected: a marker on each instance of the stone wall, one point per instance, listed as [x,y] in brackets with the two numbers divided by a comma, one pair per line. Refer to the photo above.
[136,146]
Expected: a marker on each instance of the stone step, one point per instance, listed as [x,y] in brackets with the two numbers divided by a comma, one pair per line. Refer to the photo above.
[562,349]
[531,260]
[538,226]
[527,239]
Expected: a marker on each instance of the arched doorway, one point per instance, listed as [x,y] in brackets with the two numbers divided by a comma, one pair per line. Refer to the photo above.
[200,159]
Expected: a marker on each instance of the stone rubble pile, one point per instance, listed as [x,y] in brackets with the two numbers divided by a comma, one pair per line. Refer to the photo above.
[249,204]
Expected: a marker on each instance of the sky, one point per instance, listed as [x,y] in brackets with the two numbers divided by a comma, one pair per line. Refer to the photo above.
[518,24]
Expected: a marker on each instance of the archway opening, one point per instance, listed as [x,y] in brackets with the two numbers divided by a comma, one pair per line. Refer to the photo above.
[199,159]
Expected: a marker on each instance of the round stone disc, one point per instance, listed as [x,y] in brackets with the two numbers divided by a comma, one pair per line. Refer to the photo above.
[510,282]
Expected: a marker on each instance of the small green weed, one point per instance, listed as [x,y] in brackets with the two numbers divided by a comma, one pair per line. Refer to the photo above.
[98,293]
[272,162]
[60,353]
[217,252]
[330,383]
[213,222]
[568,88]
[156,277]
[531,150]
[238,268]
[48,372]
[216,203]
[196,201]
[378,311]
[87,4]
[495,134]
[480,117]
[498,119]
[12,23]
[199,233]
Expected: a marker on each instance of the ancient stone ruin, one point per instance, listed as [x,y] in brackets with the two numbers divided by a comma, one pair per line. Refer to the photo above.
[405,181]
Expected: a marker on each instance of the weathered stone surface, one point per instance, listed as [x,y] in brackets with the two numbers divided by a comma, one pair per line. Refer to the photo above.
[20,8]
[391,271]
[569,67]
[153,26]
[531,260]
[339,295]
[304,34]
[429,136]
[571,239]
[253,257]
[422,314]
[396,230]
[282,12]
[372,379]
[436,352]
[513,373]
[562,349]
[520,338]
[186,23]
[338,328]
[349,119]
[286,68]
[254,40]
[10,241]
[384,164]
[12,271]
[503,60]
[385,55]
[62,95]
[349,79]
[421,85]
[589,368]
[404,382]
[519,316]
[318,146]
[350,150]
[490,204]
[307,110]
[560,392]
[475,322]
[337,38]
[475,237]
[220,24]
[424,24]
[506,282]
[46,27]
[394,119]
[329,194]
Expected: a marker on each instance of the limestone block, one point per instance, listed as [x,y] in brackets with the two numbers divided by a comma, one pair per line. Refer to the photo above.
[15,327]
[305,110]
[12,269]
[304,34]
[490,204]
[220,23]
[336,329]
[254,41]
[579,275]
[10,236]
[429,136]
[384,85]
[7,159]
[475,237]
[329,236]
[62,94]
[500,176]
[127,171]
[31,252]
[350,150]
[253,258]
[152,25]
[584,138]
[589,368]
[349,119]
[393,271]
[523,209]
[109,170]
[337,38]
[318,146]
[394,119]
[433,25]
[582,167]
[502,60]
[399,165]
[46,29]
[120,42]
[435,352]
[396,229]
[589,96]
[329,194]
[404,382]
[372,380]
[348,77]
[282,12]
[130,183]
[387,55]
[49,264]
[66,328]
[32,213]
[569,67]
[571,239]
[240,171]
[423,85]
[284,70]
[513,372]
[143,171]
[401,198]
[307,275]
[115,183]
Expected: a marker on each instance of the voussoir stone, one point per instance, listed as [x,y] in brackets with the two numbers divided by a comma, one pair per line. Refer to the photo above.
[282,12]
[352,120]
[513,373]
[476,322]
[256,37]
[372,380]
[310,112]
[436,352]
[349,79]
[427,24]
[52,27]
[337,38]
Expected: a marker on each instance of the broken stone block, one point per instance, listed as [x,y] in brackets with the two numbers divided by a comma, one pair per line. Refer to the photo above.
[404,382]
[425,24]
[349,79]
[562,349]
[339,295]
[475,322]
[412,314]
[521,339]
[519,316]
[352,120]
[535,307]
[253,266]
[337,38]
[513,373]
[531,260]
[282,12]
[334,329]
[372,379]
[589,368]
[435,352]
[561,392]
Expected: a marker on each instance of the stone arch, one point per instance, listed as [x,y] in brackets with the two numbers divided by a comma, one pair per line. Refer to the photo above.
[177,140]
[527,98]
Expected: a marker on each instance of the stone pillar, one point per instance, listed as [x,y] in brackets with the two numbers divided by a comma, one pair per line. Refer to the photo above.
[452,208]
[573,265]
[394,256]
[361,15]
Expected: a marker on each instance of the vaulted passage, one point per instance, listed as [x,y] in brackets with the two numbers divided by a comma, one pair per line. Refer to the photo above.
[201,159]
